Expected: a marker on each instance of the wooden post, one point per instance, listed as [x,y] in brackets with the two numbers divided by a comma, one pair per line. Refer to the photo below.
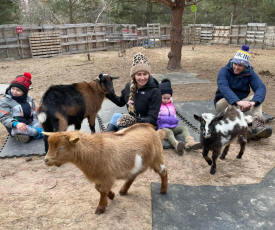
[18,45]
[76,38]
[230,35]
[88,44]
[238,35]
[194,23]
[4,37]
[21,47]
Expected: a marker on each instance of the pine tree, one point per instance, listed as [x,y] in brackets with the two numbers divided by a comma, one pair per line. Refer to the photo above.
[9,11]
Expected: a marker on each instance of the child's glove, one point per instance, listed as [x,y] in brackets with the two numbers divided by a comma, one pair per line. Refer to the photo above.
[40,134]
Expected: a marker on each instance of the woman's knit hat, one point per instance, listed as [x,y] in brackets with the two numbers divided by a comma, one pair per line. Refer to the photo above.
[23,82]
[242,57]
[165,87]
[140,63]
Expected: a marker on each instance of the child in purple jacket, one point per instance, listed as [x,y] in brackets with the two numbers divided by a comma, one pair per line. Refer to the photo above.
[167,119]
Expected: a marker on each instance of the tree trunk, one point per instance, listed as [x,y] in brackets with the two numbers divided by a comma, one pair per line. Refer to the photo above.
[71,11]
[149,10]
[176,38]
[233,13]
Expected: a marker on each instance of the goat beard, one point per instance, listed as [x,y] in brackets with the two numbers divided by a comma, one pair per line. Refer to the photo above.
[53,163]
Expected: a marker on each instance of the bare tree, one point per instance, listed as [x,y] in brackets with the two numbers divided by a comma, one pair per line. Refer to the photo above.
[105,4]
[177,7]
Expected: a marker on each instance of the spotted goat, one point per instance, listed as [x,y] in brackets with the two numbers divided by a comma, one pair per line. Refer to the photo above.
[218,132]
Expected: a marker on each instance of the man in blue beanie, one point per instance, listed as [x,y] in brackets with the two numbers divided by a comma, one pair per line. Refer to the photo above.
[234,83]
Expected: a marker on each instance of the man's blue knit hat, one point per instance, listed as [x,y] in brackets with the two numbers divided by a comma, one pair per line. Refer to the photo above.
[242,57]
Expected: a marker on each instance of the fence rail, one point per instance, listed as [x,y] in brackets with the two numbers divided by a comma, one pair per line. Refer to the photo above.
[88,37]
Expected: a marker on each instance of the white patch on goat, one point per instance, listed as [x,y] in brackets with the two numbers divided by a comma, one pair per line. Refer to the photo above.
[248,119]
[224,128]
[208,117]
[42,117]
[162,167]
[138,164]
[225,140]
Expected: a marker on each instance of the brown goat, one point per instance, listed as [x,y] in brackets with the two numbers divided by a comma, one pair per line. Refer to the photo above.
[105,157]
[64,105]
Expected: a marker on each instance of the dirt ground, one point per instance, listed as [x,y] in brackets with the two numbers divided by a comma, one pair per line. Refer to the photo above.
[34,196]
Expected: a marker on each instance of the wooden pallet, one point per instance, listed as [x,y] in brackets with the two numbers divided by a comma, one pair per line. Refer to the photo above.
[45,44]
[237,34]
[255,34]
[153,30]
[221,35]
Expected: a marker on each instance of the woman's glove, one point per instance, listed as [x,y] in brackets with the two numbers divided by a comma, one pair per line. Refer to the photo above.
[126,121]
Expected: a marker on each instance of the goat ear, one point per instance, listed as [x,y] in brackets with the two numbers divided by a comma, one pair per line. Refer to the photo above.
[219,116]
[198,118]
[100,76]
[113,78]
[74,139]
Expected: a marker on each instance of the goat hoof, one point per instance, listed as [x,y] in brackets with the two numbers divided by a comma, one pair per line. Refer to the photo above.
[212,171]
[99,210]
[222,157]
[239,157]
[209,162]
[111,195]
[122,193]
[163,192]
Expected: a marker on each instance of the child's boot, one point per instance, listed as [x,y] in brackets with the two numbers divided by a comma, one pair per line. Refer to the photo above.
[22,138]
[191,144]
[179,147]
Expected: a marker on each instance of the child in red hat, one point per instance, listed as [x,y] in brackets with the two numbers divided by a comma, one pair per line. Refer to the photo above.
[17,110]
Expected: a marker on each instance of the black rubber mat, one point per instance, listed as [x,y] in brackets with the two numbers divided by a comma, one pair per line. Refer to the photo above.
[243,207]
[179,78]
[187,109]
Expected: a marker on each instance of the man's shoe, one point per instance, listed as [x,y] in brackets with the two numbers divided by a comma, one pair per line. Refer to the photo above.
[259,130]
[261,133]
[191,144]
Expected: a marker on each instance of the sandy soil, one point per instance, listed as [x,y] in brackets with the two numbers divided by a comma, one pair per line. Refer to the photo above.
[34,196]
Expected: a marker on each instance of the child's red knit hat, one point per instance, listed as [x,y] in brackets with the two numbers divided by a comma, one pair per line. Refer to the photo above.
[23,82]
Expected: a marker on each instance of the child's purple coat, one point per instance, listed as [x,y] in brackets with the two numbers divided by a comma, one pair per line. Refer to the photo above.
[167,117]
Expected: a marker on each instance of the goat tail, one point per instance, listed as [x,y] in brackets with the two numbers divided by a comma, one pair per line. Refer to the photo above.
[42,115]
[162,134]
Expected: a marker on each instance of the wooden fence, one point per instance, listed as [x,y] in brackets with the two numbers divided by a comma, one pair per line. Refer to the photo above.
[50,40]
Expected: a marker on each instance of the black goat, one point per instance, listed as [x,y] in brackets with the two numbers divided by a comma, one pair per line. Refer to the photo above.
[64,105]
[220,130]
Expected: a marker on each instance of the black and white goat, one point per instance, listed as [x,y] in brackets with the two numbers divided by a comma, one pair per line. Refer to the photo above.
[220,130]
